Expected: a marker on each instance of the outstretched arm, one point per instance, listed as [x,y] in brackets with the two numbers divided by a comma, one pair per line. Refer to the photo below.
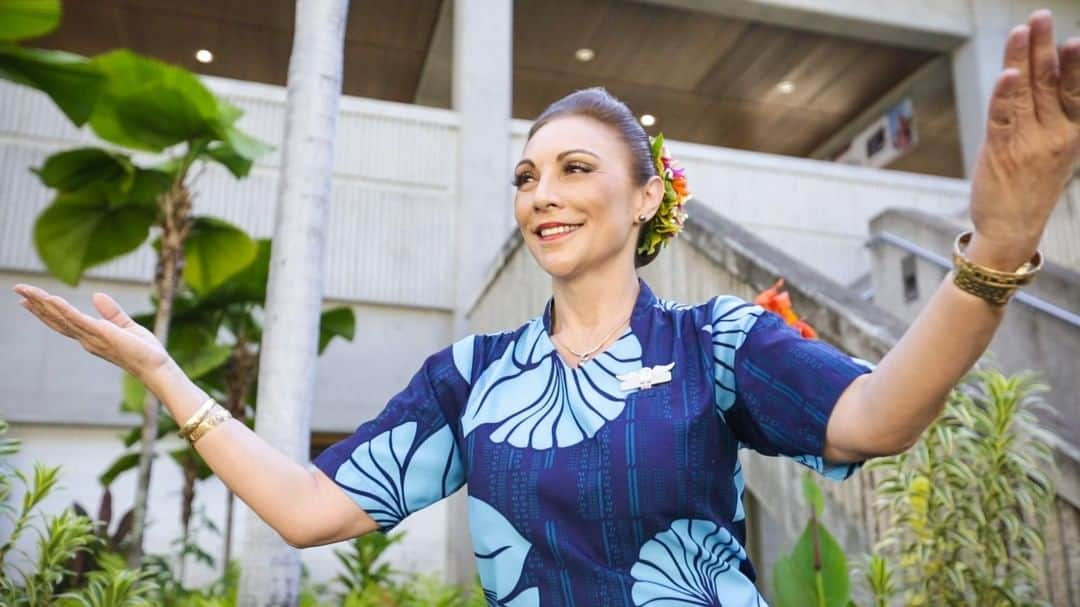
[1031,150]
[302,504]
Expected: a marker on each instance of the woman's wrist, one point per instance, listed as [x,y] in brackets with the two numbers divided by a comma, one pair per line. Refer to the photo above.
[1004,256]
[181,396]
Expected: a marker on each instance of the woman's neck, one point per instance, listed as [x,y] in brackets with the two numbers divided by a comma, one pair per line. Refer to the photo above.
[589,306]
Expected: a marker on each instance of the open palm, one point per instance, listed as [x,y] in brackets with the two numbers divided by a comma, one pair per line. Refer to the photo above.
[115,336]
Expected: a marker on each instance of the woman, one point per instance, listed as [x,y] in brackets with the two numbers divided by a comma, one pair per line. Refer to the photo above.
[599,439]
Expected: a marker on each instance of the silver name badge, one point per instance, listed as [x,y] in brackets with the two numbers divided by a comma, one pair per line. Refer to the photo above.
[646,377]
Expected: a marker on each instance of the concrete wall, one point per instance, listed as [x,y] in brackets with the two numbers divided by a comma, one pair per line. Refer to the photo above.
[1027,339]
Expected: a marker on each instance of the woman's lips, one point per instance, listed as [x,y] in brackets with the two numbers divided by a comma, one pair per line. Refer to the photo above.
[552,232]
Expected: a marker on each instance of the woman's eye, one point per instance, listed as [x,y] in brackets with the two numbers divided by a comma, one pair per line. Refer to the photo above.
[577,167]
[521,179]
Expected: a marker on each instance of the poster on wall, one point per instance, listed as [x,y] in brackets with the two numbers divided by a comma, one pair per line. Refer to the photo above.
[884,140]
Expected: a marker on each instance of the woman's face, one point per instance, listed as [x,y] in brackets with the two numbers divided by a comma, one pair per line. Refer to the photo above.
[576,202]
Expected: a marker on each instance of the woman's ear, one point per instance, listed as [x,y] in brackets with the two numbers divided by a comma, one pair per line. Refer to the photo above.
[652,196]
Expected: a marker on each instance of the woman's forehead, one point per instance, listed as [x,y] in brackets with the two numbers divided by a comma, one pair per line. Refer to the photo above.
[572,132]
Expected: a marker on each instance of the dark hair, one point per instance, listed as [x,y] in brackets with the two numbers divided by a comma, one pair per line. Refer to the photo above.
[598,104]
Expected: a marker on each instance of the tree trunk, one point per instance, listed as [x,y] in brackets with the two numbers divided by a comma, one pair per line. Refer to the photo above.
[230,502]
[176,211]
[270,568]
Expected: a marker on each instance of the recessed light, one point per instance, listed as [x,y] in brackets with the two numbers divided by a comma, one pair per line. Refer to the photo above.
[204,56]
[648,119]
[584,55]
[786,87]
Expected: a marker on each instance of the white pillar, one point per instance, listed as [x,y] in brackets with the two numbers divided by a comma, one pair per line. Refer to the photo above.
[977,62]
[481,95]
[976,65]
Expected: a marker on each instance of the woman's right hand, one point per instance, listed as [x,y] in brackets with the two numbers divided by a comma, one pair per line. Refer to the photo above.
[115,336]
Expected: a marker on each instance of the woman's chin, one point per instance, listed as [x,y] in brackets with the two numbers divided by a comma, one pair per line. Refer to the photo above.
[557,265]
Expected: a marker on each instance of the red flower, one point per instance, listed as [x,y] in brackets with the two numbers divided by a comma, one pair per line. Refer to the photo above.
[779,303]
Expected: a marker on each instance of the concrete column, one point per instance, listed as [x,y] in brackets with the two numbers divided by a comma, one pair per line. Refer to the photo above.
[977,62]
[976,65]
[481,96]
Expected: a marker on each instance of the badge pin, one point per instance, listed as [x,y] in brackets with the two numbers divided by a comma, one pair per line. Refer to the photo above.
[646,377]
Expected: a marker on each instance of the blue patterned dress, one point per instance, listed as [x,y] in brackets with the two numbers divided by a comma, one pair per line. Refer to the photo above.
[584,494]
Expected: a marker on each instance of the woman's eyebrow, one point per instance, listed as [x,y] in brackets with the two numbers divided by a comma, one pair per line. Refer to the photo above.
[583,151]
[559,157]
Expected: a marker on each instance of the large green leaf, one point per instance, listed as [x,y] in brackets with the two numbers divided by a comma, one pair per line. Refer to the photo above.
[194,347]
[134,394]
[122,464]
[247,286]
[795,581]
[81,230]
[74,169]
[71,81]
[238,152]
[336,322]
[150,105]
[214,251]
[21,19]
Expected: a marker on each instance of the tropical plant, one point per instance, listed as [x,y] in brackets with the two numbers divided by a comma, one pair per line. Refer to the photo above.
[61,539]
[816,571]
[966,505]
[106,204]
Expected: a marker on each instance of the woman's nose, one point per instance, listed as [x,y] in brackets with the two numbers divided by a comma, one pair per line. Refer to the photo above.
[545,195]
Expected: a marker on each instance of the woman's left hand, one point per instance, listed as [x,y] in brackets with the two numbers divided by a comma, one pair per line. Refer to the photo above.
[1032,145]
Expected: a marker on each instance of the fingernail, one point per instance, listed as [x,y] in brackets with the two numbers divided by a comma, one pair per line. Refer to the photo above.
[1019,35]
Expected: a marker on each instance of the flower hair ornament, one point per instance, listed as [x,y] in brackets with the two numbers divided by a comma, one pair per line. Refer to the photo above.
[669,218]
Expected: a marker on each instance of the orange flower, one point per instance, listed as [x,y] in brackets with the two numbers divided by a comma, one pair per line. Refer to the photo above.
[681,187]
[779,303]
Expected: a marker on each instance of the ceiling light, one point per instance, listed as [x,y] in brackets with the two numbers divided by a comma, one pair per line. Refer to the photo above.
[584,55]
[204,56]
[786,87]
[648,119]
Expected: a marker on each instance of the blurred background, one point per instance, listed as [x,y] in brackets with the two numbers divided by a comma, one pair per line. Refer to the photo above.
[827,142]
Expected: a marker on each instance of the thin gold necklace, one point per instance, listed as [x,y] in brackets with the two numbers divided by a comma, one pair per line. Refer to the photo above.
[584,356]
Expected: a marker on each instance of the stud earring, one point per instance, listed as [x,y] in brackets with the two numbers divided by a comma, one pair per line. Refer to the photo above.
[642,218]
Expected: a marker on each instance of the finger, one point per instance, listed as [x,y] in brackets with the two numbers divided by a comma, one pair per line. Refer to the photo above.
[1002,118]
[1044,68]
[89,329]
[64,313]
[1016,57]
[1070,78]
[38,309]
[111,311]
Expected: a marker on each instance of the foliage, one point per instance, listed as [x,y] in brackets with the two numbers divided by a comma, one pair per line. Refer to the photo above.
[62,538]
[71,81]
[965,506]
[817,566]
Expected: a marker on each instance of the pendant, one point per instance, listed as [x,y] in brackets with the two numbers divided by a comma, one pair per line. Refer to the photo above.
[646,377]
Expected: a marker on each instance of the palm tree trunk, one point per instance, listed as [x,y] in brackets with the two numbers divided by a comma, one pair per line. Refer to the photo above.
[270,571]
[176,213]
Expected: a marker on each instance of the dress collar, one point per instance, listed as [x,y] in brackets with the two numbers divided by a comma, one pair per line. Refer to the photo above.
[645,299]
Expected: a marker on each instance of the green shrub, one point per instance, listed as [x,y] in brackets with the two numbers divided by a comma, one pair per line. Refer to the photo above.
[966,505]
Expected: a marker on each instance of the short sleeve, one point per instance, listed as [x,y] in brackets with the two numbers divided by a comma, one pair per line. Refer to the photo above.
[408,457]
[776,389]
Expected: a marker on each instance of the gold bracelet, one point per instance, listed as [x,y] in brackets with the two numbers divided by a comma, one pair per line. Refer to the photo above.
[217,416]
[196,419]
[994,286]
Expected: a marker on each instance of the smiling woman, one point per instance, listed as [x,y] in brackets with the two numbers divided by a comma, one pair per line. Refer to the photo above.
[600,439]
